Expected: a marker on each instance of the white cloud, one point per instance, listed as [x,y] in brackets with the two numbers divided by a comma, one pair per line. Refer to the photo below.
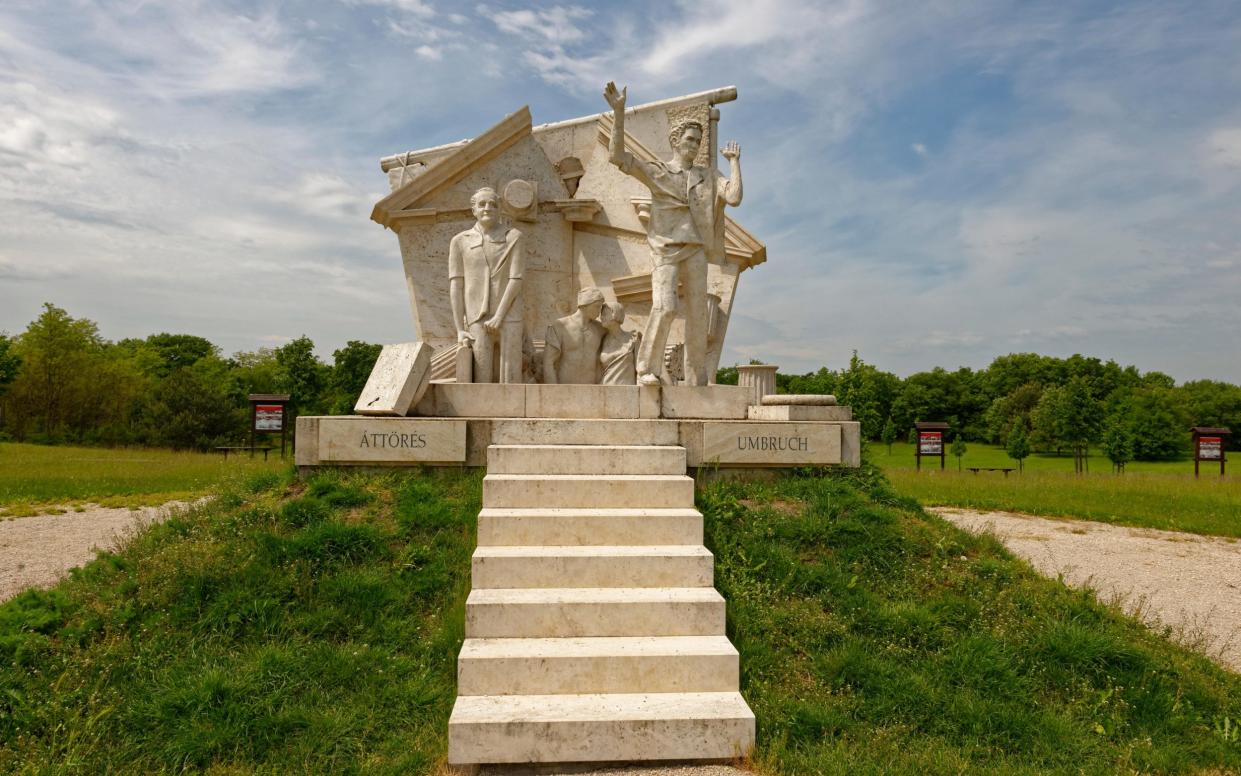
[429,53]
[557,25]
[1223,146]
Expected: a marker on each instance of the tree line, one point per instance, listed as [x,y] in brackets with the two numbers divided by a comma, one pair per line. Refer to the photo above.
[61,381]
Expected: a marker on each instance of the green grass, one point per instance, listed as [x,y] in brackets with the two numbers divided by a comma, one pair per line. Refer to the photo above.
[875,638]
[288,628]
[35,476]
[1161,495]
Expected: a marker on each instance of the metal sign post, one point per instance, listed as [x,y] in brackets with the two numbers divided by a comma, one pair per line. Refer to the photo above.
[930,441]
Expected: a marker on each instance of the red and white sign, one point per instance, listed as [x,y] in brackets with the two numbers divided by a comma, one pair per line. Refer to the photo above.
[268,417]
[930,443]
[1210,448]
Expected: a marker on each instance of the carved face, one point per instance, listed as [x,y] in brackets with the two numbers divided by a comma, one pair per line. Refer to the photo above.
[486,209]
[687,145]
[612,316]
[592,310]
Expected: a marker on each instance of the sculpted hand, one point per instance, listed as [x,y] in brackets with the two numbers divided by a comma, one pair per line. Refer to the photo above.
[492,324]
[615,99]
[731,151]
[464,338]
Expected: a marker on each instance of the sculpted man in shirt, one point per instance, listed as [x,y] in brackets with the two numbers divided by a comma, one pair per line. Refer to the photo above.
[686,204]
[485,265]
[571,353]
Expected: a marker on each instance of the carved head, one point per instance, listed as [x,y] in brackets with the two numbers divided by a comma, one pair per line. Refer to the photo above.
[613,316]
[590,302]
[485,204]
[685,138]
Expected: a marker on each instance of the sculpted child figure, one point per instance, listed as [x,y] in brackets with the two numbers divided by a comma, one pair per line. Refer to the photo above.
[618,352]
[687,201]
[571,353]
[485,266]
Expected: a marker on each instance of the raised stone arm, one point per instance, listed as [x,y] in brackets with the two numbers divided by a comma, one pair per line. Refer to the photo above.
[732,190]
[616,148]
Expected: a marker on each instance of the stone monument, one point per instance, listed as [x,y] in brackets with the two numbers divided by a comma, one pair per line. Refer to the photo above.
[593,629]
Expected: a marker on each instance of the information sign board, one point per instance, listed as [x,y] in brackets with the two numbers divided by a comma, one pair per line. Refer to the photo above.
[268,417]
[930,442]
[1210,448]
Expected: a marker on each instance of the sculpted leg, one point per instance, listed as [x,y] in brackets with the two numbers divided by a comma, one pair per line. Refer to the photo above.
[663,310]
[695,272]
[510,352]
[484,353]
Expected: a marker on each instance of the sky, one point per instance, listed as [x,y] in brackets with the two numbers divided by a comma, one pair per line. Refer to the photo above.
[937,183]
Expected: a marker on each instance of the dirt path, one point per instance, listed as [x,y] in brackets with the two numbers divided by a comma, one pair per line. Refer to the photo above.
[1188,582]
[37,551]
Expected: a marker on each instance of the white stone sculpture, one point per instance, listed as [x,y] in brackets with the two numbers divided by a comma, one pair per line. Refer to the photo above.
[687,202]
[618,352]
[485,267]
[571,353]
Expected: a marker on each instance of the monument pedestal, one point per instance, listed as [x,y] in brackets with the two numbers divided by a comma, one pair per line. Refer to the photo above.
[718,426]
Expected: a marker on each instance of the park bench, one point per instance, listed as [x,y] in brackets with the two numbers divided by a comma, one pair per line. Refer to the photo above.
[976,469]
[233,449]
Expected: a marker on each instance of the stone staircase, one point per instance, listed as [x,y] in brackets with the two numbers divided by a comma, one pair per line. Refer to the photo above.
[593,630]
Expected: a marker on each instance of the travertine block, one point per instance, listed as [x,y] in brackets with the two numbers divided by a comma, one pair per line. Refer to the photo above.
[725,402]
[771,444]
[581,527]
[585,459]
[526,491]
[599,728]
[597,665]
[592,566]
[475,400]
[582,401]
[799,412]
[390,440]
[588,611]
[397,381]
[584,432]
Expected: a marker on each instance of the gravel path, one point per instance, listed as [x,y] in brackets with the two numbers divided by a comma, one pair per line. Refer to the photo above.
[1188,582]
[37,551]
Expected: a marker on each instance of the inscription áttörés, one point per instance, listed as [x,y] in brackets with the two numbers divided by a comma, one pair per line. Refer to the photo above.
[393,439]
[774,443]
[771,444]
[360,439]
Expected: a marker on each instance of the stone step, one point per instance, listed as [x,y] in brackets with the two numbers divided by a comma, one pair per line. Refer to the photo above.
[558,491]
[585,459]
[588,527]
[519,431]
[587,611]
[599,728]
[597,665]
[592,566]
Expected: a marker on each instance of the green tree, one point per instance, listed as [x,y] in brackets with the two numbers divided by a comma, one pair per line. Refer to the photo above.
[194,408]
[57,352]
[351,367]
[958,449]
[726,375]
[1160,425]
[302,375]
[164,353]
[1077,418]
[1044,423]
[889,433]
[1006,412]
[1118,443]
[1018,447]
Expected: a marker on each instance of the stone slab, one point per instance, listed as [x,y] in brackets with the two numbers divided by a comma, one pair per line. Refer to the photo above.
[582,401]
[593,527]
[722,402]
[592,566]
[799,399]
[610,727]
[397,381]
[585,459]
[771,444]
[474,400]
[799,412]
[593,611]
[391,440]
[520,431]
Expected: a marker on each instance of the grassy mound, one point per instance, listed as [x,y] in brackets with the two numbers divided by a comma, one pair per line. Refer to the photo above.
[314,628]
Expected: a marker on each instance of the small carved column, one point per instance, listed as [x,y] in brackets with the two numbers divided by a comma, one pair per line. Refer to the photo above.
[761,378]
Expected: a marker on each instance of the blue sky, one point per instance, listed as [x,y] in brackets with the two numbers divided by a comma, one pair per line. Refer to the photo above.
[937,183]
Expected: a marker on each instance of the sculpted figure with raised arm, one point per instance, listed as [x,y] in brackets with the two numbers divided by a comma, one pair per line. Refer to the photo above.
[485,267]
[687,202]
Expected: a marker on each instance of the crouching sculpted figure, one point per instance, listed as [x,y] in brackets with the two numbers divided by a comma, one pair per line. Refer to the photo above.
[687,202]
[485,266]
[618,351]
[571,353]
